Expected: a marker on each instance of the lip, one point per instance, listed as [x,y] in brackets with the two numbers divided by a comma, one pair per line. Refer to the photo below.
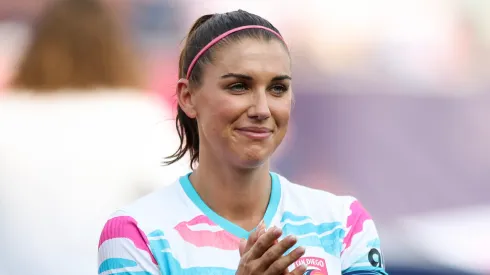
[255,132]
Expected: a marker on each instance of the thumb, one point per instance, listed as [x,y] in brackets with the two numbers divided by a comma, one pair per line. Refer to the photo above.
[241,247]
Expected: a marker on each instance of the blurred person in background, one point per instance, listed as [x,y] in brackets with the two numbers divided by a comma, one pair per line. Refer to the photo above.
[234,109]
[79,137]
[10,49]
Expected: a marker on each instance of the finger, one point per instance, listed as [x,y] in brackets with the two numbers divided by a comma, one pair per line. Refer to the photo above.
[277,251]
[264,242]
[299,270]
[279,266]
[261,224]
[242,247]
[252,238]
[261,229]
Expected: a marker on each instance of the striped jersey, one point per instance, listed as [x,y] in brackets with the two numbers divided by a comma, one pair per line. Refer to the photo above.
[173,231]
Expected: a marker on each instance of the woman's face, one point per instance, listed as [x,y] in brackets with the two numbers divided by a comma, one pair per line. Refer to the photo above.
[244,101]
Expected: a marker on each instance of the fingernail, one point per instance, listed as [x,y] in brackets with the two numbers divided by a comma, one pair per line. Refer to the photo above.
[304,267]
[292,238]
[276,230]
[300,250]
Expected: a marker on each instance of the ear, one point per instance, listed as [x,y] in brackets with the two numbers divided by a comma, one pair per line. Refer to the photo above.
[185,98]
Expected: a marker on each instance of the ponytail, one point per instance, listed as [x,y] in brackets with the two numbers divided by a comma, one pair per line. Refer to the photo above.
[186,126]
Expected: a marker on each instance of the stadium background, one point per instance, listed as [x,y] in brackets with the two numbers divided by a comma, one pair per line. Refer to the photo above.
[392,106]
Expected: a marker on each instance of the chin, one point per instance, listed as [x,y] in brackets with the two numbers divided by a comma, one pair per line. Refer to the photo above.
[250,161]
[252,164]
[248,156]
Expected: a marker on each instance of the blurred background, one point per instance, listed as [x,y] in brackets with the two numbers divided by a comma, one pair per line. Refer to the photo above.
[392,106]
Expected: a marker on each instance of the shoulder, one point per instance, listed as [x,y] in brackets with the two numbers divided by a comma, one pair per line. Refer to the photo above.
[320,204]
[122,225]
[132,232]
[123,246]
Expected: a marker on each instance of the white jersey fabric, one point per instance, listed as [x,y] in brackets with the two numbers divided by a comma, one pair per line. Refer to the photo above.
[172,231]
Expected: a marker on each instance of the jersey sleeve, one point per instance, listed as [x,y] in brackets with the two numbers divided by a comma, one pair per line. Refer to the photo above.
[361,251]
[124,249]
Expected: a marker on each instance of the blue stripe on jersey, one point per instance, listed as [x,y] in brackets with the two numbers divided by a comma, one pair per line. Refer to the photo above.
[274,199]
[169,265]
[294,218]
[330,243]
[374,243]
[132,273]
[162,242]
[364,270]
[156,233]
[309,228]
[232,228]
[361,272]
[116,263]
[324,235]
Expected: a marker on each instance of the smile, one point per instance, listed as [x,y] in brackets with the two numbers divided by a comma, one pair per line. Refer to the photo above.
[256,133]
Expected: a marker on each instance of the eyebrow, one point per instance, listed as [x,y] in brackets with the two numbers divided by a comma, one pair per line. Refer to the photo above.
[247,77]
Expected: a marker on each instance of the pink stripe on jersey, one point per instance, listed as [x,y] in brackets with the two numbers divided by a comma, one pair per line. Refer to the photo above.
[214,237]
[201,220]
[355,222]
[126,227]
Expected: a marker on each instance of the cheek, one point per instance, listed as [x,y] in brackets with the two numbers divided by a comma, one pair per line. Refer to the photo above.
[281,113]
[281,110]
[218,113]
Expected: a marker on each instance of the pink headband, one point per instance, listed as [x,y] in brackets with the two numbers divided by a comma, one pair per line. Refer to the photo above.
[217,39]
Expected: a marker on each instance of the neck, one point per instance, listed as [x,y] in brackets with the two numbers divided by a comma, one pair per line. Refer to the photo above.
[239,195]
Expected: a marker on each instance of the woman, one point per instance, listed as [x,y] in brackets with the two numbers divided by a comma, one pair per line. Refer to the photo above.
[234,104]
[75,126]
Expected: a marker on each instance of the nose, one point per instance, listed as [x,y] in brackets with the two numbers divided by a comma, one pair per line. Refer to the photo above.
[259,108]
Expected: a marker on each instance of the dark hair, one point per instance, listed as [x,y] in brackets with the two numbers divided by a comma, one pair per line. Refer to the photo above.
[203,31]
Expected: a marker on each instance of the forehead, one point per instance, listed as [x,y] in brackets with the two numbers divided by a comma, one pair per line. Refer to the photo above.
[252,56]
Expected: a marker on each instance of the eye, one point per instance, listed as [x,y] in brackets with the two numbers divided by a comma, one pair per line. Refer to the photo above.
[278,89]
[238,87]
